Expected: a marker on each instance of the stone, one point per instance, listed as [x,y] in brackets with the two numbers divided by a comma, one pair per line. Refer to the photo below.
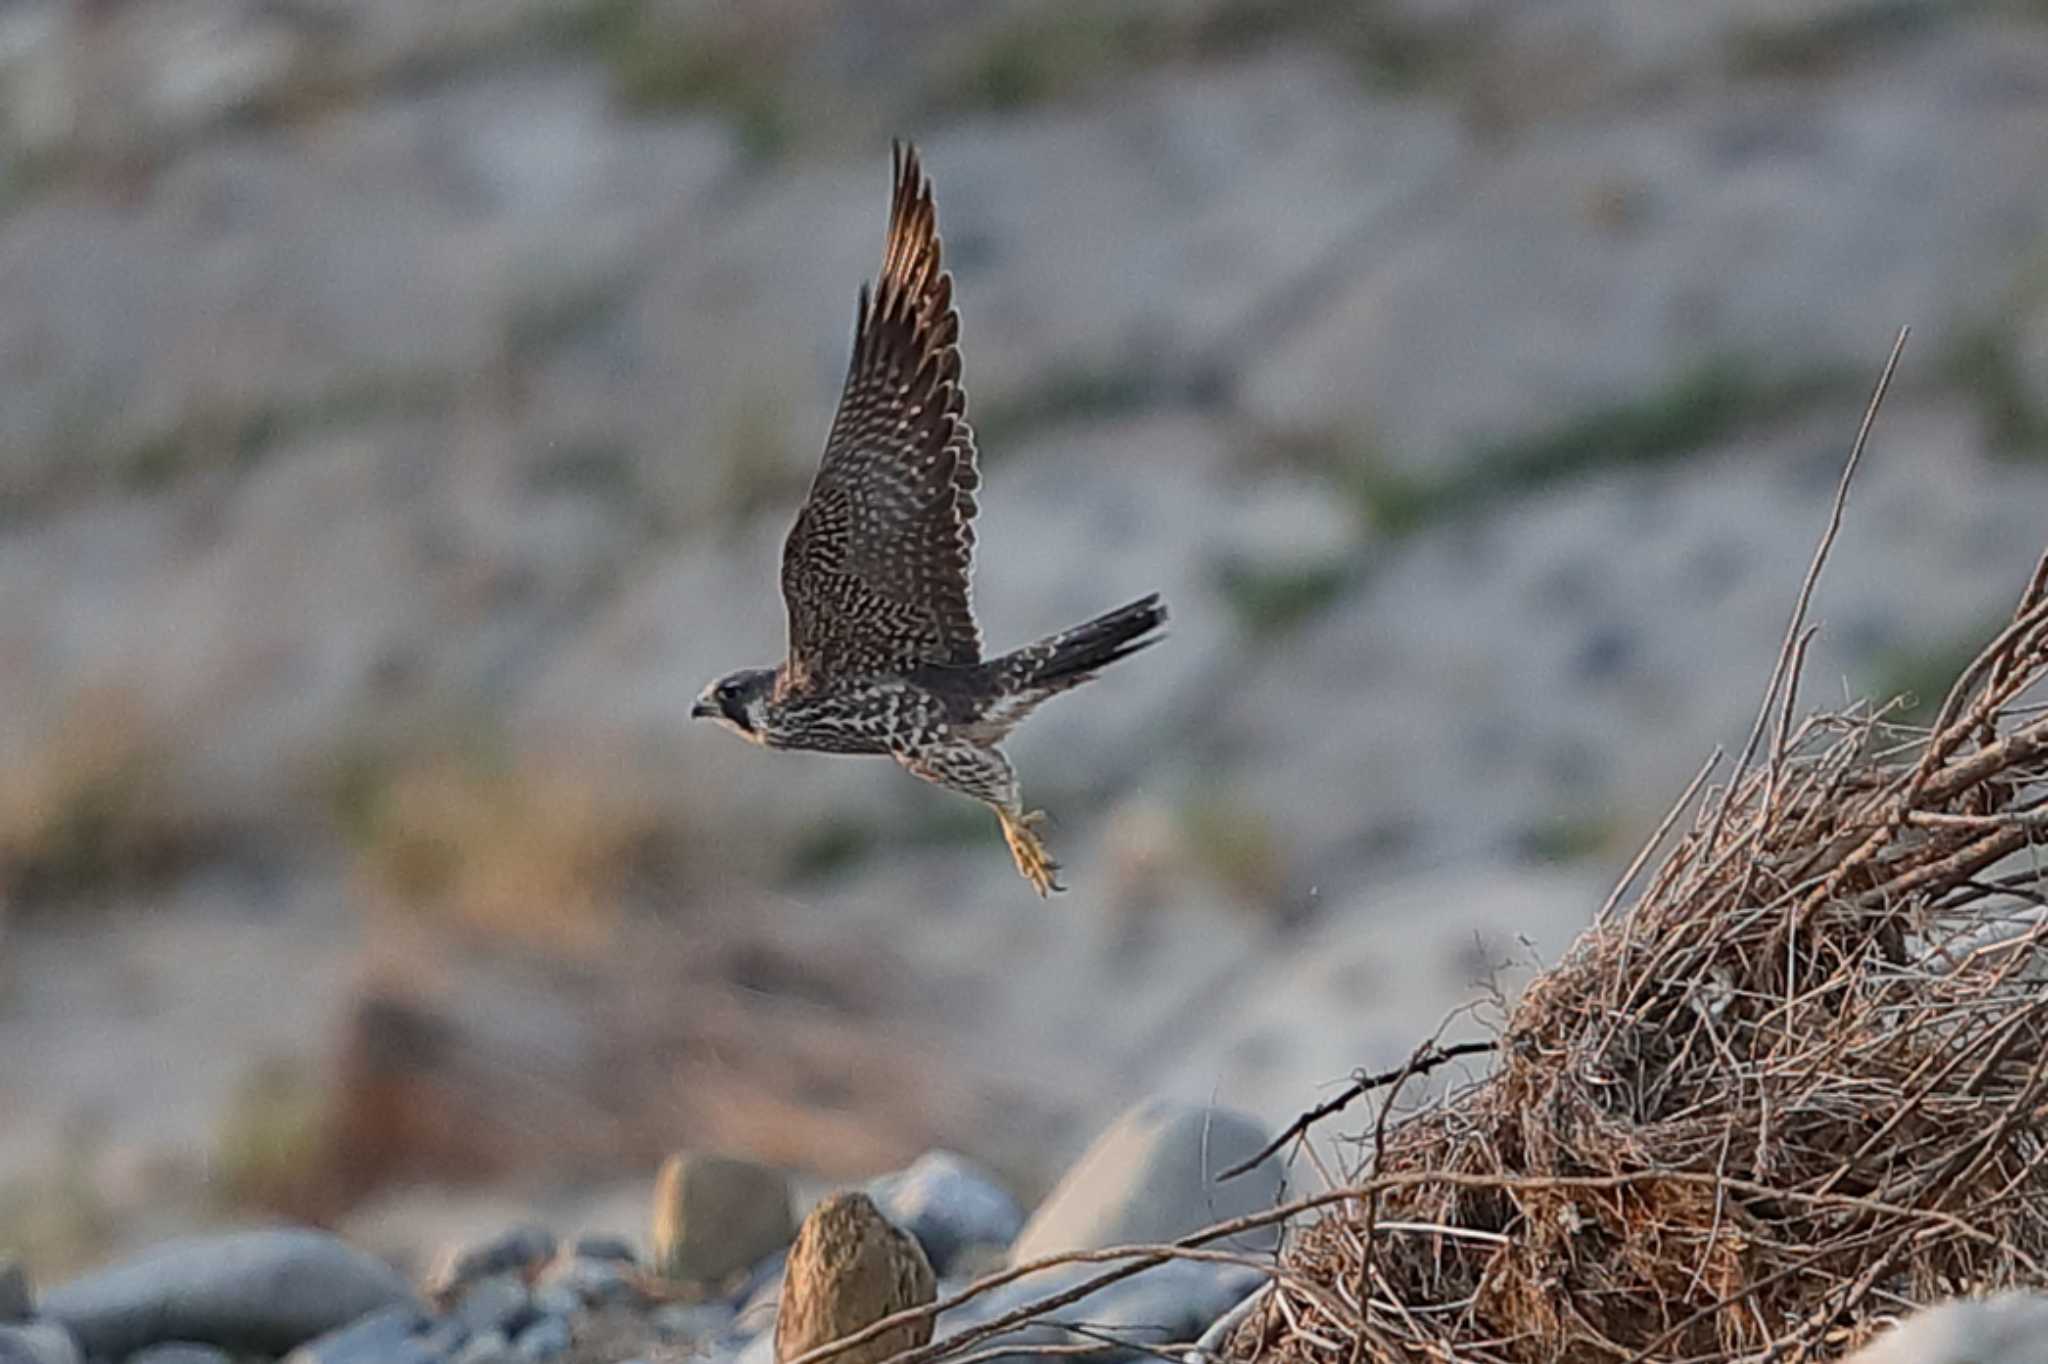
[38,1342]
[716,1215]
[596,1283]
[380,1335]
[2011,1328]
[488,1347]
[949,1204]
[545,1339]
[442,1338]
[556,1300]
[264,1291]
[497,1302]
[17,1299]
[1209,1345]
[181,1352]
[614,1248]
[521,1250]
[688,1321]
[1151,1177]
[763,1284]
[849,1268]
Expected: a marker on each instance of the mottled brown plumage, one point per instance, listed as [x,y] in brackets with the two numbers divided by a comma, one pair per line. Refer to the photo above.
[884,652]
[875,570]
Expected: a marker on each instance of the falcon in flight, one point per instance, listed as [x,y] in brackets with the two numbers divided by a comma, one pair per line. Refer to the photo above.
[884,653]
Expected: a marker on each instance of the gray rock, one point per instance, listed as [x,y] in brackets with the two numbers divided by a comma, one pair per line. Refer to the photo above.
[545,1339]
[181,1352]
[949,1204]
[2011,1328]
[556,1300]
[715,1215]
[380,1335]
[496,1302]
[688,1321]
[595,1282]
[38,1342]
[764,1281]
[488,1347]
[760,1349]
[1152,1177]
[1211,1341]
[520,1250]
[614,1248]
[442,1338]
[264,1291]
[17,1300]
[1177,1301]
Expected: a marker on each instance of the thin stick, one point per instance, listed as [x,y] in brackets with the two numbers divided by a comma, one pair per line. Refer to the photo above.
[1820,558]
[1423,1062]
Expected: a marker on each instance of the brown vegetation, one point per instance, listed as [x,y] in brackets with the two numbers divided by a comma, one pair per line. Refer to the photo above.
[1796,1088]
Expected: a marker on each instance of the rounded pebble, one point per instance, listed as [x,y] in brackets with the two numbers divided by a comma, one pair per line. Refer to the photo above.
[443,1338]
[545,1339]
[685,1321]
[181,1352]
[38,1342]
[557,1300]
[374,1337]
[949,1204]
[494,1303]
[615,1248]
[598,1282]
[487,1347]
[259,1291]
[522,1249]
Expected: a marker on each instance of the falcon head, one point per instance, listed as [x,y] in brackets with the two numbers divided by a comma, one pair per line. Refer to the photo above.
[739,701]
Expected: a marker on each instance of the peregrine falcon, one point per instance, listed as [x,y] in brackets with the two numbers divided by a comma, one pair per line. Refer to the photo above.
[884,652]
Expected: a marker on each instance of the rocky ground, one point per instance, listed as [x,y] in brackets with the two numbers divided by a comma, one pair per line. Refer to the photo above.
[715,1272]
[404,413]
[704,1278]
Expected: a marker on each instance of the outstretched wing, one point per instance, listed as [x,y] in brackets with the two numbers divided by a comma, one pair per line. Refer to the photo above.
[875,570]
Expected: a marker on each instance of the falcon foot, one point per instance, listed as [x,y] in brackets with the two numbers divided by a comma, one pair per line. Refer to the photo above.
[1034,863]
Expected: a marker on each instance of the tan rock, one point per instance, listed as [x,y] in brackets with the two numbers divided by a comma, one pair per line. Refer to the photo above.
[851,1267]
[716,1215]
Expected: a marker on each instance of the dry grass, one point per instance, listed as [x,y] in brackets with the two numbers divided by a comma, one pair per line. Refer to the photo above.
[1797,1087]
[526,850]
[88,812]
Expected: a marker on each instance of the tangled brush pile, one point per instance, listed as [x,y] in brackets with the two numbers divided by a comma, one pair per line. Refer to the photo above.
[1799,1086]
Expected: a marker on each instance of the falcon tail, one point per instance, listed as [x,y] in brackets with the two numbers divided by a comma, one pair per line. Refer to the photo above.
[1073,656]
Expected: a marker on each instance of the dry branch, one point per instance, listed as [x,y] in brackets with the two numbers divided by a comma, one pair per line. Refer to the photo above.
[1800,1084]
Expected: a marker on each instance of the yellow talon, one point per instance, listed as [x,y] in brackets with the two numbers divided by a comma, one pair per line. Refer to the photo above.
[1034,863]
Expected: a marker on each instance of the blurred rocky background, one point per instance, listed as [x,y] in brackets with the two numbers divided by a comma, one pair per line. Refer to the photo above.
[404,404]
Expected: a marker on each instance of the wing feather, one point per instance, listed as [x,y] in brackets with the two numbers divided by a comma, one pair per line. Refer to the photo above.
[875,572]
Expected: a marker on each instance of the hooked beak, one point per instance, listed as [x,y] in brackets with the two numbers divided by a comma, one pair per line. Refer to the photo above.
[702,710]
